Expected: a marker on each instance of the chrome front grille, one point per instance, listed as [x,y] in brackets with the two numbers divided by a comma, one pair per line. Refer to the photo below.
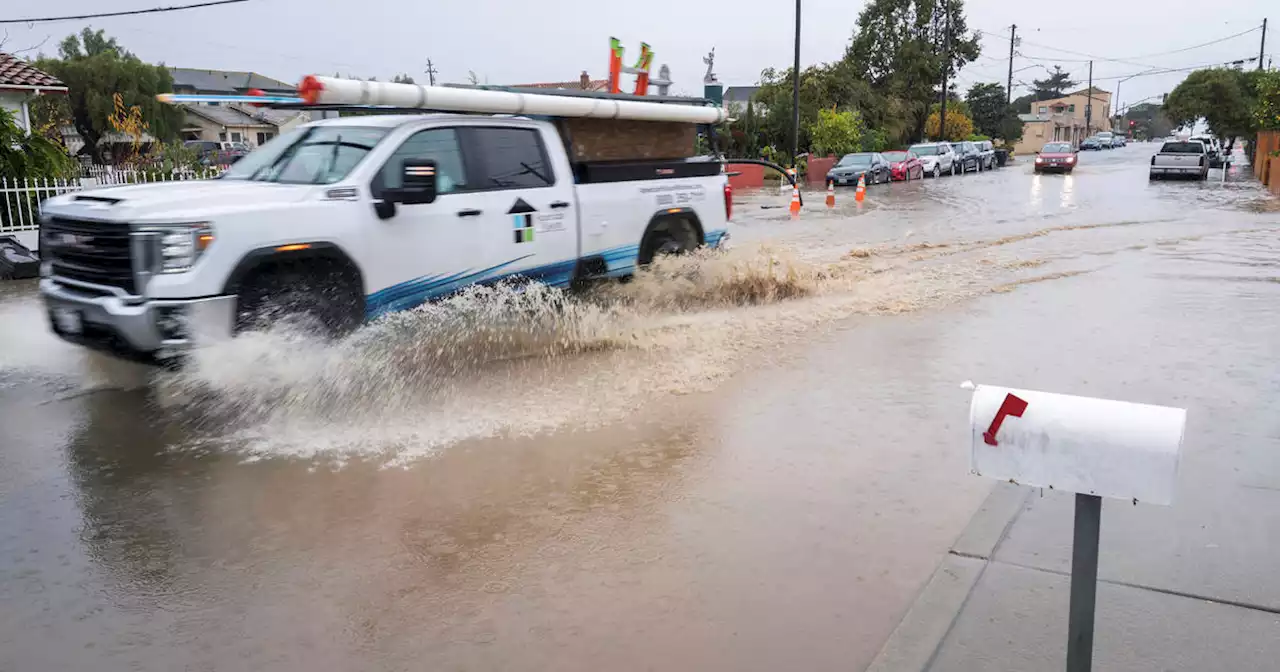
[98,253]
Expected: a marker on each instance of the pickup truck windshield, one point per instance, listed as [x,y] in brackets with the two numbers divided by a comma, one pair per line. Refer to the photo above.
[1182,148]
[311,155]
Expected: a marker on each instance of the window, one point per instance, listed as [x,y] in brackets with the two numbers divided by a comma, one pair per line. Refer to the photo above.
[1071,107]
[1043,109]
[263,138]
[308,155]
[438,144]
[512,158]
[236,137]
[222,137]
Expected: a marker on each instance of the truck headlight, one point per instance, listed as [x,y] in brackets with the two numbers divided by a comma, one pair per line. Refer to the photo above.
[181,245]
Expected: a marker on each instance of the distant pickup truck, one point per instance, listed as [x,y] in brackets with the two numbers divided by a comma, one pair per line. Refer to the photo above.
[347,219]
[1185,159]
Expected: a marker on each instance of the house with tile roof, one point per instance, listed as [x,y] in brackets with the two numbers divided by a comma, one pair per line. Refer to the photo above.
[19,83]
[582,83]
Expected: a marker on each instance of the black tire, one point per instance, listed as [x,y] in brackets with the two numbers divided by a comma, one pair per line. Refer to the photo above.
[937,171]
[669,236]
[324,299]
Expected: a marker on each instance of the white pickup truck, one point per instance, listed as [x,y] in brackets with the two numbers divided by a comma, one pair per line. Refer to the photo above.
[1182,158]
[347,219]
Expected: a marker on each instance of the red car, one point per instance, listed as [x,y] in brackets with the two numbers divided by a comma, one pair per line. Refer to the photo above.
[904,165]
[1058,157]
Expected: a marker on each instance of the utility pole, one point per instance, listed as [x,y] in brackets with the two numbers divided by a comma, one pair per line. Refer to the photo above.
[1088,108]
[431,72]
[1262,47]
[795,95]
[946,65]
[1008,89]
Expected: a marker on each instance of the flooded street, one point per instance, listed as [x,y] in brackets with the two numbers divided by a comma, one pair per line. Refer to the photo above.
[741,461]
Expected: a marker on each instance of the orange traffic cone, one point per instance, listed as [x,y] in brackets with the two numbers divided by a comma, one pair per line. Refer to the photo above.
[795,200]
[831,194]
[861,193]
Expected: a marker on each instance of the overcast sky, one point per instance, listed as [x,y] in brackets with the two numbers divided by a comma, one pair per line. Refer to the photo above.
[518,42]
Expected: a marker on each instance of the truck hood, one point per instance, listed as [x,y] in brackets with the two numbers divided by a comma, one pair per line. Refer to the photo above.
[179,200]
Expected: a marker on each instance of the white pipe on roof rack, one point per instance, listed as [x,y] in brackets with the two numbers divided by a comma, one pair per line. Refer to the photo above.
[318,90]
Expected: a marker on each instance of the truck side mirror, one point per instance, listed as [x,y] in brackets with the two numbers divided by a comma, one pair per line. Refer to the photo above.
[419,183]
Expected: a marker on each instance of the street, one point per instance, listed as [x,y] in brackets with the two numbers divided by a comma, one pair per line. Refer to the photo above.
[747,461]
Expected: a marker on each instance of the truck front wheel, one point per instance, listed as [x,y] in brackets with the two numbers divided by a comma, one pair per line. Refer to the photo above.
[325,300]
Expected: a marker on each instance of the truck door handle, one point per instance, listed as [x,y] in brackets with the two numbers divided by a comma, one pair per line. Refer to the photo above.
[468,213]
[560,204]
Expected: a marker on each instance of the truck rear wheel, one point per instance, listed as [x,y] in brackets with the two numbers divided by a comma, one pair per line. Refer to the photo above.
[323,299]
[669,235]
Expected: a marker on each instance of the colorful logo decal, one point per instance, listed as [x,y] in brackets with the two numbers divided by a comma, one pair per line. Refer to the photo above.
[524,227]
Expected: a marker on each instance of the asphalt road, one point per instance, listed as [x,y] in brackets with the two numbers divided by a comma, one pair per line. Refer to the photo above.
[748,461]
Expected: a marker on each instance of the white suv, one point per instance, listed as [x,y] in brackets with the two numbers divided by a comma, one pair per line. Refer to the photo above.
[938,158]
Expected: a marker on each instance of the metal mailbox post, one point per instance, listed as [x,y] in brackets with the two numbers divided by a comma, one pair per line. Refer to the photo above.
[1093,447]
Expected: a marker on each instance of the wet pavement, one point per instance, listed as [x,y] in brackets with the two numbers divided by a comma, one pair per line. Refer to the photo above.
[748,461]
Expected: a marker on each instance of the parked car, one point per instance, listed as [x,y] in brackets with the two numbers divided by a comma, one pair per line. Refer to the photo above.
[214,153]
[904,165]
[1184,158]
[853,166]
[988,152]
[1056,157]
[968,157]
[937,158]
[1214,150]
[1090,143]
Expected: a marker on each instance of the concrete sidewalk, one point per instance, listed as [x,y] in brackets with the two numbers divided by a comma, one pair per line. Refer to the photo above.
[998,601]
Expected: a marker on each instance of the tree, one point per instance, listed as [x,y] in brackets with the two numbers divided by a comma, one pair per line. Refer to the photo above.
[96,69]
[899,47]
[1221,96]
[836,133]
[402,79]
[991,116]
[1053,86]
[959,126]
[987,103]
[1149,121]
[29,155]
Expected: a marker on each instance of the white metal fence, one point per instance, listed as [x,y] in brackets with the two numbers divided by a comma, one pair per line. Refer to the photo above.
[22,198]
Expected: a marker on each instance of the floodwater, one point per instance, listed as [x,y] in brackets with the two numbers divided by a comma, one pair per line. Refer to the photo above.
[742,461]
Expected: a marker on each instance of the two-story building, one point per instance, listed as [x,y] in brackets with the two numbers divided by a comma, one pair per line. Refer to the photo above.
[233,122]
[1063,119]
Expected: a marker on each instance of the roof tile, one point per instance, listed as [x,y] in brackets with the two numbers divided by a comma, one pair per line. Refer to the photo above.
[17,72]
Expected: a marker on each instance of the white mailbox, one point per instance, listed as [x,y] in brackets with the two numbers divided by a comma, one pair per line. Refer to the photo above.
[1077,444]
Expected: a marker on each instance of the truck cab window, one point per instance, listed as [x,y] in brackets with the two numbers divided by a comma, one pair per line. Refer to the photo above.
[438,144]
[513,158]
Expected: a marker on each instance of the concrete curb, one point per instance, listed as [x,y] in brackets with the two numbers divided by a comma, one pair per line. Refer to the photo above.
[914,643]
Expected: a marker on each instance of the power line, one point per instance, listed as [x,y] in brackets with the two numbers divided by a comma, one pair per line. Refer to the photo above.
[132,12]
[1220,39]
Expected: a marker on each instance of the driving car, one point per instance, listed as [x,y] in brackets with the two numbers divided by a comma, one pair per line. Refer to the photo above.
[1119,141]
[988,151]
[968,157]
[1090,143]
[1105,139]
[904,165]
[937,158]
[853,166]
[1056,157]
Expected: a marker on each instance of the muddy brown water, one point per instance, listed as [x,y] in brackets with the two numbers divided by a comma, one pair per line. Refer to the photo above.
[742,461]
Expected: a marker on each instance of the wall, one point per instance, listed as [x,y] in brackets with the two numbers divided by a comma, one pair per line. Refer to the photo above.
[752,176]
[818,168]
[1268,141]
[16,104]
